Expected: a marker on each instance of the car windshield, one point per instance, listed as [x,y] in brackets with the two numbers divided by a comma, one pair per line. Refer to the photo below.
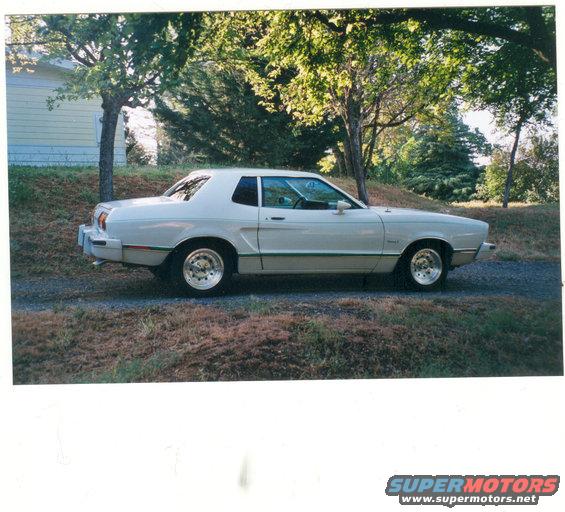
[186,188]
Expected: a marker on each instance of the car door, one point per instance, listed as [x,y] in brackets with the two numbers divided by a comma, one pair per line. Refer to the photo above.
[300,229]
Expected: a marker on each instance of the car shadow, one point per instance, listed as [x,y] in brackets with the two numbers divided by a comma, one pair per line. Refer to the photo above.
[277,285]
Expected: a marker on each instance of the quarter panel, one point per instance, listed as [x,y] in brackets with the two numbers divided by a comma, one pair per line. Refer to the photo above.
[402,227]
[162,226]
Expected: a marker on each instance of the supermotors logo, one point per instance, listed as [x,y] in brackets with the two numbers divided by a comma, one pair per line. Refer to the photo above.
[451,490]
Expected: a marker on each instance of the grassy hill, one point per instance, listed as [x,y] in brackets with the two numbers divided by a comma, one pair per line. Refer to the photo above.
[47,205]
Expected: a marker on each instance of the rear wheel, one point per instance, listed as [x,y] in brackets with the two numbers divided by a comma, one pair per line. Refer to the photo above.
[202,269]
[424,266]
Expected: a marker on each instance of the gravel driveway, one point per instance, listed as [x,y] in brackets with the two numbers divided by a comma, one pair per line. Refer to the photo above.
[537,280]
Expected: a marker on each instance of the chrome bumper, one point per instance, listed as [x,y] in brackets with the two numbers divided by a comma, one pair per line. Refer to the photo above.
[485,251]
[96,243]
[466,256]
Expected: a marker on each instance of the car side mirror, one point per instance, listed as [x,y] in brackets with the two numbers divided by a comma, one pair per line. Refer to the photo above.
[341,207]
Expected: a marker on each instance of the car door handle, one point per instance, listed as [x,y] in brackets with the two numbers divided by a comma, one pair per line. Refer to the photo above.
[277,218]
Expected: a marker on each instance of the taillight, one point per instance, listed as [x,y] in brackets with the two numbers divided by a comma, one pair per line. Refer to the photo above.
[102,220]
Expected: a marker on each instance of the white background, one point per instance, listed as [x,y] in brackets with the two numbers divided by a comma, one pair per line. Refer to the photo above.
[259,446]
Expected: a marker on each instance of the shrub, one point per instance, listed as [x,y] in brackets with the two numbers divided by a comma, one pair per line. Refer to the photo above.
[19,191]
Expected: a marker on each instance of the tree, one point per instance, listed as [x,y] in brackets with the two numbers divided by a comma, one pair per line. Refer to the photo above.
[125,59]
[437,160]
[508,54]
[532,28]
[215,113]
[515,88]
[368,80]
[536,177]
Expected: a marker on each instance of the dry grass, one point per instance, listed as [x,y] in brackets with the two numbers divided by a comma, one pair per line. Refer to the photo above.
[47,205]
[349,339]
[521,232]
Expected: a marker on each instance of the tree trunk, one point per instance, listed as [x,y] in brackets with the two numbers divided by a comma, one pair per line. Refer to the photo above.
[111,111]
[340,161]
[509,178]
[353,150]
[347,158]
[359,169]
[355,168]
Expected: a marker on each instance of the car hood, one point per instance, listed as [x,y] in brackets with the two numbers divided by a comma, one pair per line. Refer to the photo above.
[411,215]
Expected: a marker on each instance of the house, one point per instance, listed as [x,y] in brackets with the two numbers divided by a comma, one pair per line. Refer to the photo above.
[67,135]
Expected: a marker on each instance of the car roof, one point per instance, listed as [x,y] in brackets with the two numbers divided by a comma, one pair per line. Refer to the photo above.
[257,172]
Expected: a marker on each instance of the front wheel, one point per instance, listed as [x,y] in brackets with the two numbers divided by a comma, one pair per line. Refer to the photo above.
[423,267]
[201,269]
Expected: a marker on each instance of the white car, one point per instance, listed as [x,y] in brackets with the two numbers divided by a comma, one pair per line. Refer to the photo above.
[217,222]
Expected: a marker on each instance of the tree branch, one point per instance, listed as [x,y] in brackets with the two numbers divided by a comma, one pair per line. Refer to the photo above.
[392,124]
[538,39]
[77,56]
[439,19]
[31,43]
[325,21]
[540,34]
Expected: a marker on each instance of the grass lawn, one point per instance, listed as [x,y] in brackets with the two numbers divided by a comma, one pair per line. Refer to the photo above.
[47,205]
[348,338]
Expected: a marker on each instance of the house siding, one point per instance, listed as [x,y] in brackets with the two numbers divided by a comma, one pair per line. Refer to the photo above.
[66,135]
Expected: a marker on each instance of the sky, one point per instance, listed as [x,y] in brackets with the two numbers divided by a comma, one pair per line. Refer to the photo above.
[484,121]
[142,124]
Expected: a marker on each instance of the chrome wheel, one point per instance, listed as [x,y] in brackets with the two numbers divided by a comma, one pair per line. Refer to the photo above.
[203,269]
[426,266]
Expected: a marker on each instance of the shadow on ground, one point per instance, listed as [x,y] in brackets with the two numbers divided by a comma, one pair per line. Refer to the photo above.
[538,280]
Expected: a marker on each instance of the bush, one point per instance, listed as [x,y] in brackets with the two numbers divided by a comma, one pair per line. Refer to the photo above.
[19,191]
[136,153]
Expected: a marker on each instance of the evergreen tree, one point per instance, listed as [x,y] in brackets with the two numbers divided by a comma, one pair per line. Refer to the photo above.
[215,114]
[438,160]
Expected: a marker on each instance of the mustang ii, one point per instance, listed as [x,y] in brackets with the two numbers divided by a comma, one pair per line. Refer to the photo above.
[218,222]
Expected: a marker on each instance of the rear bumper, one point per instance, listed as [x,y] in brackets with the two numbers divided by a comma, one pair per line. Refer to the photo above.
[95,243]
[485,251]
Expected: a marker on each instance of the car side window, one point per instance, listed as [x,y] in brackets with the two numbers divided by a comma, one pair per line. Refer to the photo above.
[277,193]
[301,194]
[246,192]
